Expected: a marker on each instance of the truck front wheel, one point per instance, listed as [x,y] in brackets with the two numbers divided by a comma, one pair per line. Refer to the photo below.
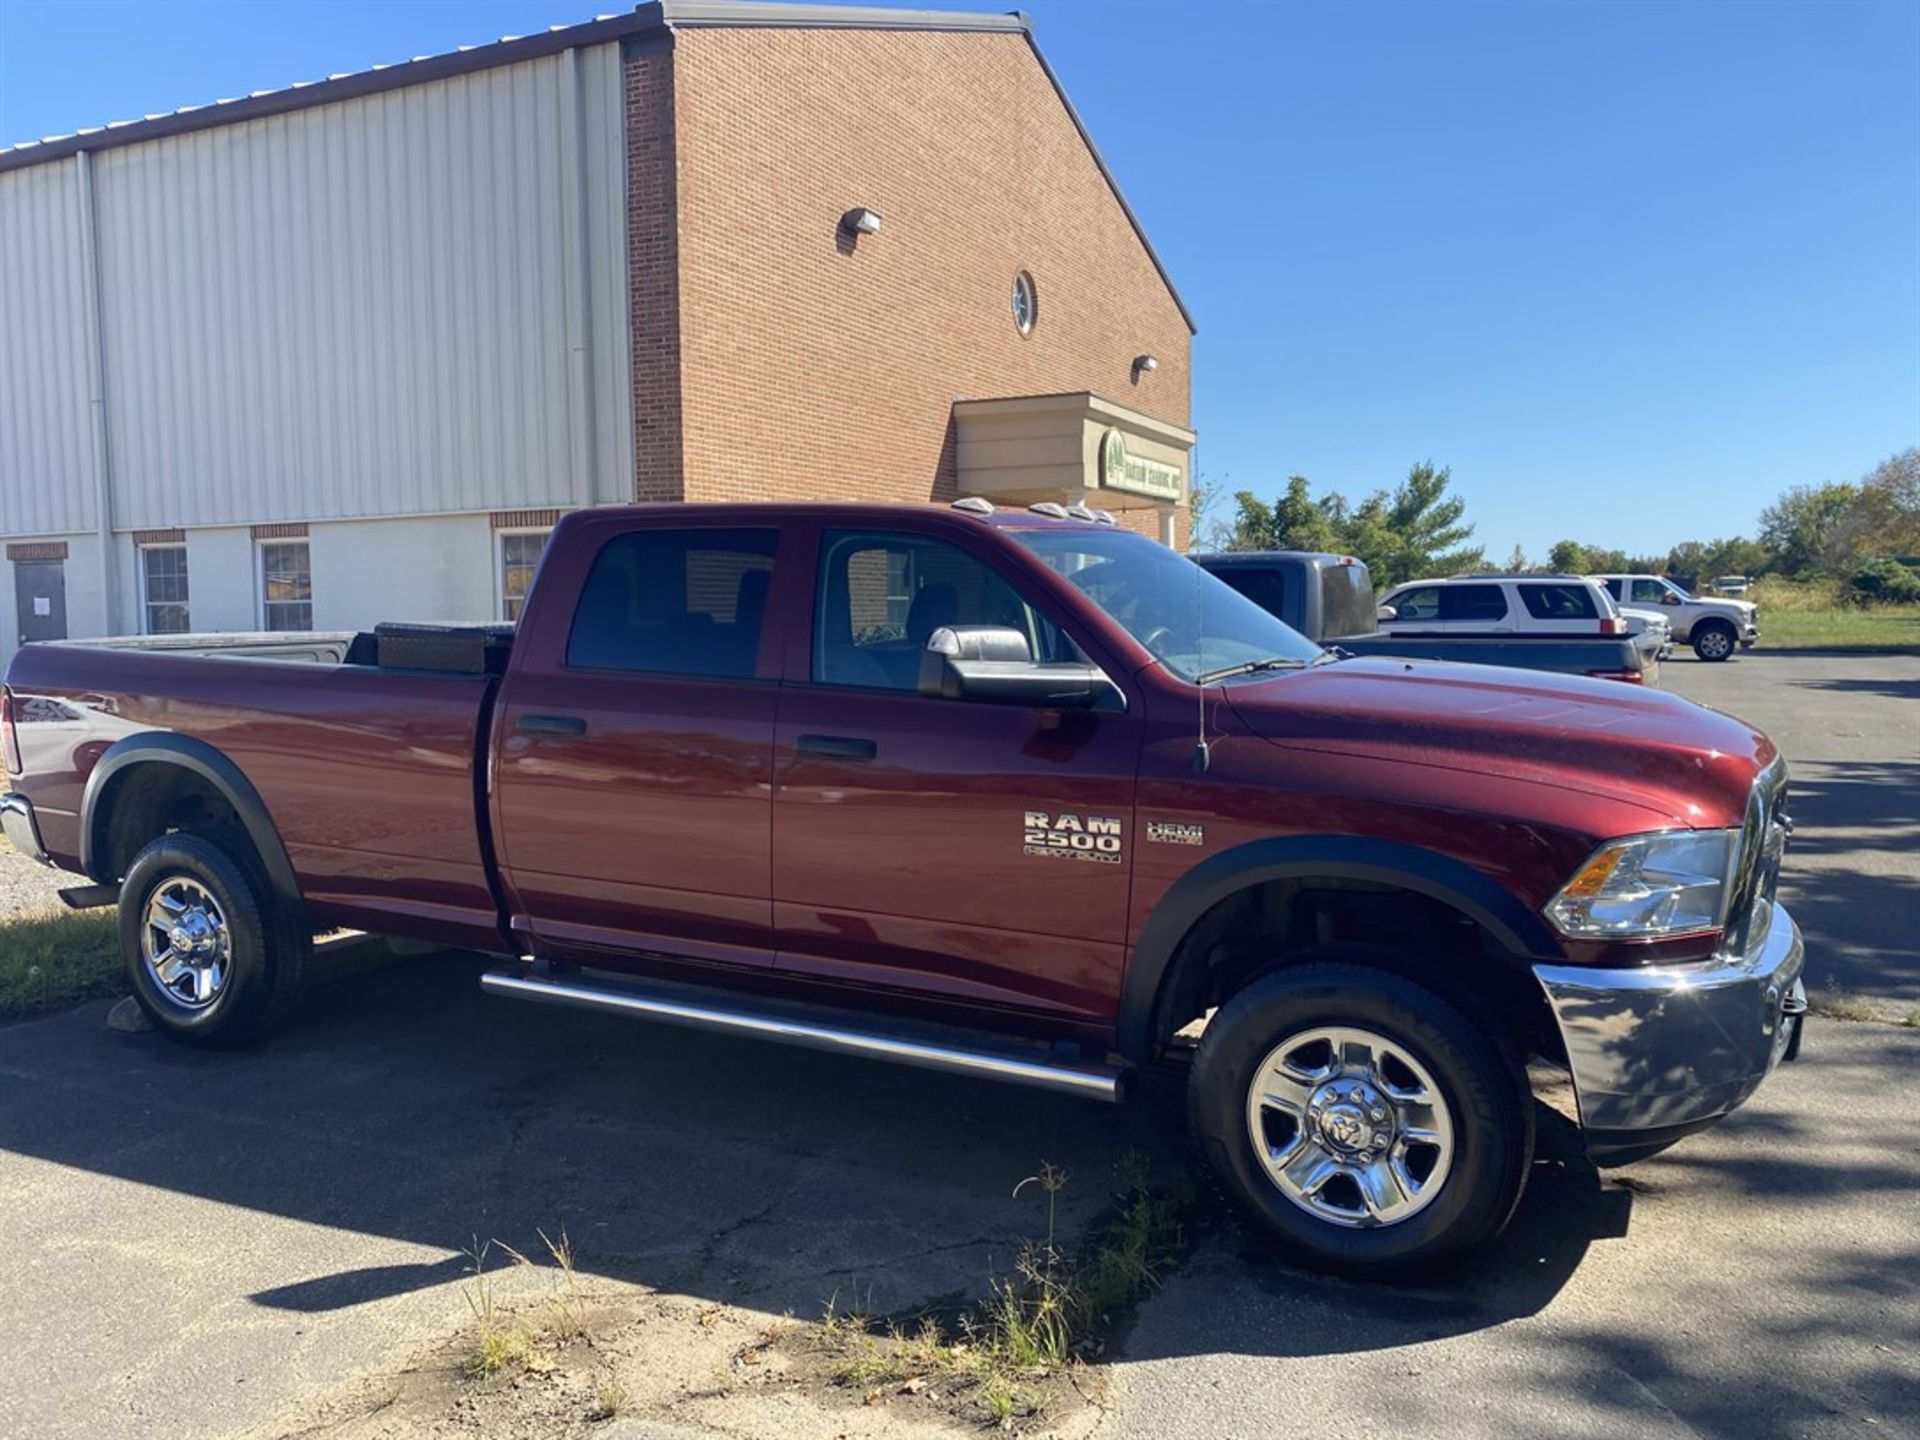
[208,955]
[1363,1122]
[1715,640]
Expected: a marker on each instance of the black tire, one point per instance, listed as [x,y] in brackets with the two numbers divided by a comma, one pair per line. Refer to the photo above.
[1479,1076]
[1715,640]
[265,956]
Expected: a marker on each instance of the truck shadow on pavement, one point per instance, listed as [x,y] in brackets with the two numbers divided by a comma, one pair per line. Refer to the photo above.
[409,1108]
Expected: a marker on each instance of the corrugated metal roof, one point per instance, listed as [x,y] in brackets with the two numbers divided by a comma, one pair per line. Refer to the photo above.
[511,49]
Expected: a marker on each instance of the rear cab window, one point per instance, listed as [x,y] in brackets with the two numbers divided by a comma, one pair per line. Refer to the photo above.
[675,602]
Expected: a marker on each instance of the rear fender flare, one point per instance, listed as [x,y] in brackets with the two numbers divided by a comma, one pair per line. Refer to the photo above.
[203,760]
[1312,857]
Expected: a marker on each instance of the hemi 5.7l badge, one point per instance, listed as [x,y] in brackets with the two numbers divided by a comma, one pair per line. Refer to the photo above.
[1072,837]
[1174,832]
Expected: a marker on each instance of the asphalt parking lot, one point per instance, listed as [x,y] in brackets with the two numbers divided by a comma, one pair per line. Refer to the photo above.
[198,1241]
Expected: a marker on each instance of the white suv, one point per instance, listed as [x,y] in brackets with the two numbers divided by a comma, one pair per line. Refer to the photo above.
[1507,605]
[1713,627]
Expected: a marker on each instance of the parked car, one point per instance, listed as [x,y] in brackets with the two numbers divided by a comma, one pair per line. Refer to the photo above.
[1329,598]
[1712,627]
[1519,604]
[1731,585]
[992,793]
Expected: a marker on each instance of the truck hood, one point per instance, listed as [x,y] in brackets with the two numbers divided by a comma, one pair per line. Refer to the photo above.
[1733,609]
[1690,765]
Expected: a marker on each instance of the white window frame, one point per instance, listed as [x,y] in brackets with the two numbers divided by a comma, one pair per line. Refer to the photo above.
[260,580]
[146,601]
[500,563]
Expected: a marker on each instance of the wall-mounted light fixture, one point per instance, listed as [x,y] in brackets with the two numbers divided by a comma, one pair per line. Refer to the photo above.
[1144,365]
[861,221]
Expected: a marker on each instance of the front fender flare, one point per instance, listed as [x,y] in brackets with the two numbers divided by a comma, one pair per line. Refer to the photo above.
[184,751]
[1304,857]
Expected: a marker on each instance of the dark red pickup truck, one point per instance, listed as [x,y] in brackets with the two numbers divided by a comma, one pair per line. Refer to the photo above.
[1007,794]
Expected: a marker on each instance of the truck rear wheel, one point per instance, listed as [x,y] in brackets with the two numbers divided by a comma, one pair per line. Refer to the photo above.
[1364,1123]
[209,956]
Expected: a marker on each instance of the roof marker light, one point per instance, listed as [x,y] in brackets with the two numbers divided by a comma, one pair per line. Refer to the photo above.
[974,505]
[1052,509]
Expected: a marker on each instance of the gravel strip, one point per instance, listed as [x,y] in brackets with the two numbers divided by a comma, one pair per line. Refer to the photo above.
[27,888]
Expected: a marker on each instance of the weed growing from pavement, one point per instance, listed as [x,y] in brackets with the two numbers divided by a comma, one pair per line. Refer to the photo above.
[1838,1005]
[1912,1022]
[505,1340]
[1036,1323]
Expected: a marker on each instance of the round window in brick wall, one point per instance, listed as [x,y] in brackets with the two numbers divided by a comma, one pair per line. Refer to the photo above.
[1026,305]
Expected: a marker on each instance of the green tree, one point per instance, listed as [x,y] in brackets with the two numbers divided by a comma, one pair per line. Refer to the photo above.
[1517,561]
[1814,531]
[1293,522]
[1429,532]
[1568,557]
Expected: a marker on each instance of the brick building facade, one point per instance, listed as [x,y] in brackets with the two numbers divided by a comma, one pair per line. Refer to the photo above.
[611,262]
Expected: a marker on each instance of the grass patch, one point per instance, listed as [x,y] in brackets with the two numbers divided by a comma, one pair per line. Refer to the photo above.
[1881,627]
[51,960]
[1912,1022]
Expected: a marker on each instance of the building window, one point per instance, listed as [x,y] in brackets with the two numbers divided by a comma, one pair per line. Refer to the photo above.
[286,585]
[1026,307]
[520,552]
[163,586]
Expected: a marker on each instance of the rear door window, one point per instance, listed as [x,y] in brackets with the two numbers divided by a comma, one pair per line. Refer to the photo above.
[675,602]
[1472,604]
[1559,602]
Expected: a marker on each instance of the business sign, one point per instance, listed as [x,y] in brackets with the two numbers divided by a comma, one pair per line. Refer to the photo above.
[1136,474]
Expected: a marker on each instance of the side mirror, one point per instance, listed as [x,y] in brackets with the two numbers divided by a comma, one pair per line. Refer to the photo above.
[994,665]
[1669,598]
[1384,613]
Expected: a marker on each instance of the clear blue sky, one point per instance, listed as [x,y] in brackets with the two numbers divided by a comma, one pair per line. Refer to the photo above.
[1630,269]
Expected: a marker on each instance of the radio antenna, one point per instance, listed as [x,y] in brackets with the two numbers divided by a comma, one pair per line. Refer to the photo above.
[1202,755]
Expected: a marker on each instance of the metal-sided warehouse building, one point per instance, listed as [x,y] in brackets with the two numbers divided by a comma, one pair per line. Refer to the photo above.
[344,352]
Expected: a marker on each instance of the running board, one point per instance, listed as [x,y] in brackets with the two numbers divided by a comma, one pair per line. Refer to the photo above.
[814,1027]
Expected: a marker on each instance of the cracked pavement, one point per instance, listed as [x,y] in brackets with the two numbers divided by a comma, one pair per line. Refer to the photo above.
[199,1240]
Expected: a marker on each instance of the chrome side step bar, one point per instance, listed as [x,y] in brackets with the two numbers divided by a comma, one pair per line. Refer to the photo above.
[805,1026]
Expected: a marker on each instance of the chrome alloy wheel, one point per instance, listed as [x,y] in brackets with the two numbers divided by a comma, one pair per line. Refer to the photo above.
[1350,1126]
[188,948]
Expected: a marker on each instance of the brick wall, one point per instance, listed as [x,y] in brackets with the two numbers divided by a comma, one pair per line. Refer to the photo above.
[653,281]
[812,366]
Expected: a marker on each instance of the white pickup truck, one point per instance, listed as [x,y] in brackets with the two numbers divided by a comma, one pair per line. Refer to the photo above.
[1712,627]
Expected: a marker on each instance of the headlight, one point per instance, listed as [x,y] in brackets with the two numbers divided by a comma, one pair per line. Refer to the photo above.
[1648,885]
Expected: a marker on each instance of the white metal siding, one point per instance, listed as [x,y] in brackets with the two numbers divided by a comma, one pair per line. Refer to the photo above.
[362,308]
[46,454]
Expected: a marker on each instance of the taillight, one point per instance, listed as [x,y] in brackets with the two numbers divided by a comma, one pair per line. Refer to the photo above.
[1613,625]
[1632,677]
[9,741]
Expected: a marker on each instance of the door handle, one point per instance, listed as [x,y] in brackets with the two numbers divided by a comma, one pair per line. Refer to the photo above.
[551,725]
[837,747]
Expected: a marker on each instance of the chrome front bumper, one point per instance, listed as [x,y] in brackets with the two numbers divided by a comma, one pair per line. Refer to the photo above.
[1659,1054]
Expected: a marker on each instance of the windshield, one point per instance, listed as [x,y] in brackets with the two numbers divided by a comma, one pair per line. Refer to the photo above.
[1190,621]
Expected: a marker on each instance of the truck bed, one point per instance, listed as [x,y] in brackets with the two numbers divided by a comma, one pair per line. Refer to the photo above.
[1615,656]
[314,739]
